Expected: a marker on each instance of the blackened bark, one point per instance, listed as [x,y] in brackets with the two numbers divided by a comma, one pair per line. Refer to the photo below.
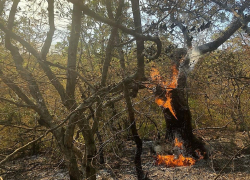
[181,128]
[138,141]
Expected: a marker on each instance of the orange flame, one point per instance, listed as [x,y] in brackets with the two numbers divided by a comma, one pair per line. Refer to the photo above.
[170,161]
[173,83]
[155,76]
[177,143]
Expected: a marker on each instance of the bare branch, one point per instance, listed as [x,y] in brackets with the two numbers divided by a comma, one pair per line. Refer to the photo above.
[25,74]
[69,133]
[108,56]
[18,91]
[54,81]
[2,3]
[47,43]
[111,41]
[222,127]
[239,15]
[121,54]
[137,139]
[230,161]
[110,22]
[139,42]
[15,103]
[230,30]
[187,38]
[20,149]
[32,142]
[109,9]
[78,74]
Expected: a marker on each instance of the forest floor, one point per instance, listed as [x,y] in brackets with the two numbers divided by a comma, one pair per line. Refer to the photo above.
[228,160]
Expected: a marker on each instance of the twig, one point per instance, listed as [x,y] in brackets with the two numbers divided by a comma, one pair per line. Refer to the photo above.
[111,170]
[12,102]
[32,142]
[21,148]
[65,68]
[222,127]
[230,161]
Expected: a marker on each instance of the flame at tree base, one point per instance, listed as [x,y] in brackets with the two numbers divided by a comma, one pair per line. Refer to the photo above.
[170,161]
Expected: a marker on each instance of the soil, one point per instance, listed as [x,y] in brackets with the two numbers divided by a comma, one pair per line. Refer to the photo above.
[225,148]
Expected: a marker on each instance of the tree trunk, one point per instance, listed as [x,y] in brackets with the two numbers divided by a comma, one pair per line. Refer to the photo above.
[74,172]
[176,111]
[69,154]
[136,137]
[101,153]
[181,128]
[91,159]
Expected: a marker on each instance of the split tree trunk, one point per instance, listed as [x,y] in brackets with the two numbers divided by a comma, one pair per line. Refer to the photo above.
[180,127]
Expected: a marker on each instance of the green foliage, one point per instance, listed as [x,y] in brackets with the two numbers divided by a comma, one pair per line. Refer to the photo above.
[220,90]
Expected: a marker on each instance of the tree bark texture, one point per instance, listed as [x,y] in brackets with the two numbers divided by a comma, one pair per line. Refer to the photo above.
[90,148]
[139,42]
[72,53]
[91,159]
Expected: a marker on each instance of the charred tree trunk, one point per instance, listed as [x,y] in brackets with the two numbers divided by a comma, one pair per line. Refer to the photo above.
[181,128]
[180,125]
[176,111]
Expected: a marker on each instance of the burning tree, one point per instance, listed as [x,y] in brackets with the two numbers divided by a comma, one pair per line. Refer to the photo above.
[177,115]
[185,20]
[171,94]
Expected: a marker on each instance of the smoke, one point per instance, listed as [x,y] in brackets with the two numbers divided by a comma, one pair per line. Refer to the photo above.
[194,55]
